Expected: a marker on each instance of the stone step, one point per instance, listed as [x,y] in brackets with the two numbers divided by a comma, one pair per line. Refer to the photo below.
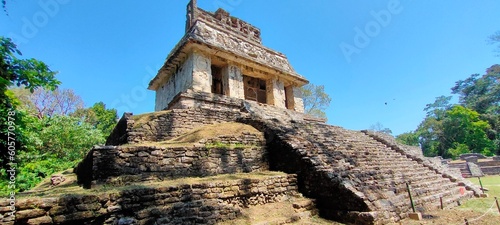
[389,165]
[431,190]
[432,199]
[437,181]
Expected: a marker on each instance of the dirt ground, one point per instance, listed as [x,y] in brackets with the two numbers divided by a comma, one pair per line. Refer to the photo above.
[457,216]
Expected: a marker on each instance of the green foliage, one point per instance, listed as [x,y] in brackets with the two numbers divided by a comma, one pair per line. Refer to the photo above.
[408,138]
[46,141]
[52,145]
[480,93]
[463,126]
[32,173]
[29,73]
[316,101]
[440,105]
[99,117]
[68,137]
[222,145]
[458,150]
[471,126]
[452,130]
[483,204]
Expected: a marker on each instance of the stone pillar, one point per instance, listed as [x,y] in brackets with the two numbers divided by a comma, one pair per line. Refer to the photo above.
[298,101]
[233,82]
[290,101]
[202,73]
[276,93]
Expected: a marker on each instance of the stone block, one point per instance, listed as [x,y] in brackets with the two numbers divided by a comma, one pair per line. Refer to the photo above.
[40,220]
[30,213]
[472,159]
[415,216]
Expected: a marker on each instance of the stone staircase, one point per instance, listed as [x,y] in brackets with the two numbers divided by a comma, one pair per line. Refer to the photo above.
[373,173]
[388,171]
[462,166]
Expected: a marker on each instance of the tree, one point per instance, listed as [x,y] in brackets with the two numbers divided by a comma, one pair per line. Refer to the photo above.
[408,138]
[430,132]
[463,127]
[440,105]
[54,144]
[378,127]
[44,102]
[316,101]
[29,73]
[480,93]
[430,129]
[495,39]
[68,137]
[99,117]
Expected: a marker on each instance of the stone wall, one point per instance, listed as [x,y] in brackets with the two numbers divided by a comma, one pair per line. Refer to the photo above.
[227,154]
[202,203]
[166,125]
[237,27]
[488,166]
[190,99]
[181,80]
[298,101]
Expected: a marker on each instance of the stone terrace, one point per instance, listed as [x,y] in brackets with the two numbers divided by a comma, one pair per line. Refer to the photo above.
[354,177]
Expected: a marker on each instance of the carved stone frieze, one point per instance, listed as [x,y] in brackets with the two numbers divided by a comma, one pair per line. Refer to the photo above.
[214,37]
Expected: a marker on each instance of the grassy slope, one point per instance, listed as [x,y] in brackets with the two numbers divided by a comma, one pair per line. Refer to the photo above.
[476,211]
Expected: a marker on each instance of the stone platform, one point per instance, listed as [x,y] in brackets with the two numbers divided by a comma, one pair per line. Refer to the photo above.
[353,176]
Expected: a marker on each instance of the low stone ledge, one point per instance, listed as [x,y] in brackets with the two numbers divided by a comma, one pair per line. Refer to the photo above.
[202,202]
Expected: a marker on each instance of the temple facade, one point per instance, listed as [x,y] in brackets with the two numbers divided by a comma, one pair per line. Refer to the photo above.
[222,55]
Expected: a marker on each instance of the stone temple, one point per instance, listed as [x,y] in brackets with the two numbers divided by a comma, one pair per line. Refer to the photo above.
[224,55]
[228,133]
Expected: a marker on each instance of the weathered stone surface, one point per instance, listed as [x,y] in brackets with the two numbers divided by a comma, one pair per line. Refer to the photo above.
[474,169]
[76,216]
[181,204]
[40,220]
[230,47]
[30,213]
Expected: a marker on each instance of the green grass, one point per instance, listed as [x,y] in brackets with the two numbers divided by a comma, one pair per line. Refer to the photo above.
[492,183]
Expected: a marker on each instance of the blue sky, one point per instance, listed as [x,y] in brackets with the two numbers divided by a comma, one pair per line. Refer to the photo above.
[366,53]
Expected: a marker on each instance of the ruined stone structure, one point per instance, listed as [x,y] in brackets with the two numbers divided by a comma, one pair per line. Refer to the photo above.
[224,55]
[219,75]
[469,162]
